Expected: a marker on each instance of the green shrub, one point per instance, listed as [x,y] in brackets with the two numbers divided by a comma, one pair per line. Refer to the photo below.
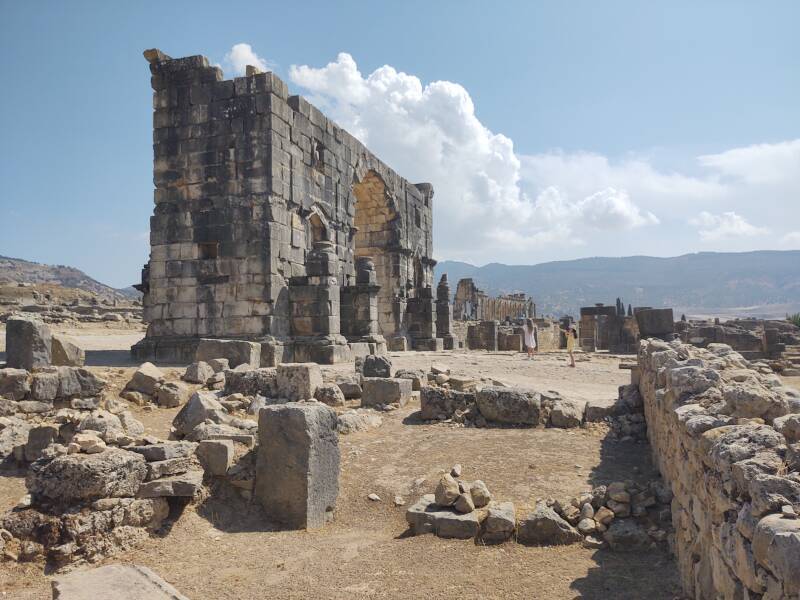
[795,318]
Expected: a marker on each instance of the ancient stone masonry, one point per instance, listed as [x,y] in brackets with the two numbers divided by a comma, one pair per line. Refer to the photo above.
[752,338]
[273,224]
[724,434]
[472,303]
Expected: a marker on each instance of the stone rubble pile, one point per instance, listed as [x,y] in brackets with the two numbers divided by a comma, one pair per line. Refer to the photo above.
[725,438]
[472,402]
[624,516]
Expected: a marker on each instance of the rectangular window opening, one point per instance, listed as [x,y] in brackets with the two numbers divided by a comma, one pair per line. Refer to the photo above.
[209,250]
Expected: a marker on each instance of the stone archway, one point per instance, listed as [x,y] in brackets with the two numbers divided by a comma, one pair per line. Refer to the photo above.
[375,235]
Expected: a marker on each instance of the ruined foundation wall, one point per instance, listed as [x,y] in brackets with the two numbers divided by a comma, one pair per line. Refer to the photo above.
[724,437]
[472,303]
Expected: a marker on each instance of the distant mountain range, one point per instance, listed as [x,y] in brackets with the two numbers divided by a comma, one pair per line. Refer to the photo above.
[17,270]
[763,283]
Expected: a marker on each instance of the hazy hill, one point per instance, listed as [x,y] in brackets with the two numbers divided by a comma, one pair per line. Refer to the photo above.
[763,283]
[17,270]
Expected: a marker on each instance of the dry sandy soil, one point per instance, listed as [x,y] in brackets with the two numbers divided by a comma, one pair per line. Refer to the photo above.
[223,548]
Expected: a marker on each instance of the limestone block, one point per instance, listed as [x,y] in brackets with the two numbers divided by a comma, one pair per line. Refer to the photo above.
[145,379]
[216,456]
[236,351]
[380,391]
[28,343]
[297,468]
[172,394]
[567,413]
[198,372]
[298,381]
[14,383]
[376,366]
[510,405]
[543,526]
[67,353]
[262,381]
[112,473]
[121,582]
[164,450]
[201,406]
[183,485]
[44,386]
[500,523]
[776,546]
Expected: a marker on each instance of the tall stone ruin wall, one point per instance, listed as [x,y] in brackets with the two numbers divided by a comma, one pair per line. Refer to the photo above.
[248,182]
[724,436]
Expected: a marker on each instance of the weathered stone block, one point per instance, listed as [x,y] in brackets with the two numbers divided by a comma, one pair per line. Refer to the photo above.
[216,456]
[28,343]
[67,353]
[183,485]
[14,383]
[380,391]
[122,582]
[544,527]
[236,351]
[112,473]
[297,468]
[298,381]
[510,405]
[145,379]
[376,366]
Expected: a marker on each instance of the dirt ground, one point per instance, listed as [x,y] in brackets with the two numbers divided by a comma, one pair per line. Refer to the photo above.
[223,548]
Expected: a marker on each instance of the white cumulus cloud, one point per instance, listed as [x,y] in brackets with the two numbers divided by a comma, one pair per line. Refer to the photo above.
[723,226]
[430,132]
[759,163]
[242,55]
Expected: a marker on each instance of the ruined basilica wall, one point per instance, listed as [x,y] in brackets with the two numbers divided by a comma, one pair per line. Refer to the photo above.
[725,437]
[246,179]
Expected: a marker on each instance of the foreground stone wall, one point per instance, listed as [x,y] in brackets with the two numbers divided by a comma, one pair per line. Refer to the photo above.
[724,434]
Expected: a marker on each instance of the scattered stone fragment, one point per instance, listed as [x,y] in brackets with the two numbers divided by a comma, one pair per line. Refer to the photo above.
[330,395]
[480,493]
[198,372]
[500,523]
[216,456]
[447,491]
[382,391]
[298,381]
[376,365]
[186,484]
[544,527]
[374,497]
[67,353]
[145,379]
[456,470]
[172,394]
[464,503]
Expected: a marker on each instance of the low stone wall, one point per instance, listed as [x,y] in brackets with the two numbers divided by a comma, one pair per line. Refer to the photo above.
[723,434]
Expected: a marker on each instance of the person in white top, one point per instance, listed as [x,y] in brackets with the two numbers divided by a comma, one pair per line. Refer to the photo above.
[529,331]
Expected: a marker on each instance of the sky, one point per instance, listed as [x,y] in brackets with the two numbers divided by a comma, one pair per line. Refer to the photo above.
[550,130]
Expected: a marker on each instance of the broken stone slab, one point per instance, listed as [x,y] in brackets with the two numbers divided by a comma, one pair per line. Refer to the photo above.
[170,466]
[462,384]
[120,582]
[297,467]
[216,456]
[219,364]
[375,365]
[298,381]
[380,391]
[172,394]
[626,535]
[76,477]
[198,372]
[201,406]
[417,378]
[28,343]
[500,523]
[262,381]
[164,450]
[454,525]
[421,516]
[186,484]
[566,413]
[78,382]
[510,405]
[44,386]
[145,379]
[330,395]
[350,388]
[221,431]
[238,352]
[33,407]
[14,383]
[544,527]
[776,546]
[597,411]
[66,352]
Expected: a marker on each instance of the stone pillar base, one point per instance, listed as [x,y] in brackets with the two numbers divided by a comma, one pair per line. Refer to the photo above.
[429,344]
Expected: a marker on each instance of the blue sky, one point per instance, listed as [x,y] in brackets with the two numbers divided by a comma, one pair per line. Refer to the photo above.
[581,128]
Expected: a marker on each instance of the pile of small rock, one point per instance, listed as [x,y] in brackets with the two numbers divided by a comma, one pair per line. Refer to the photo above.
[462,510]
[623,516]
